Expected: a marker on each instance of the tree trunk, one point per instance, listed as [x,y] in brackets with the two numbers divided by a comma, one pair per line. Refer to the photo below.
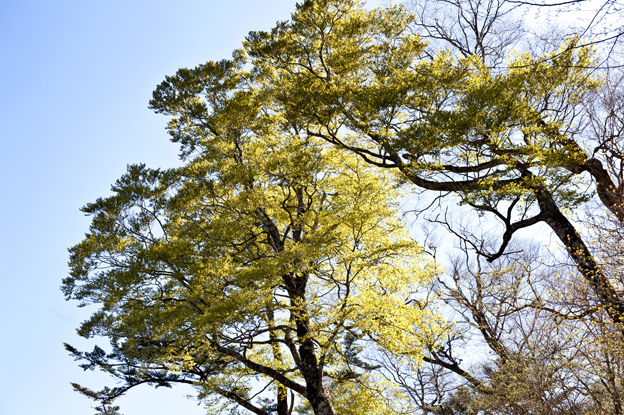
[312,371]
[585,262]
[318,395]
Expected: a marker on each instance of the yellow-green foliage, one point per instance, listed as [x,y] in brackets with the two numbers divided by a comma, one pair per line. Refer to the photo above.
[182,259]
[362,81]
[267,223]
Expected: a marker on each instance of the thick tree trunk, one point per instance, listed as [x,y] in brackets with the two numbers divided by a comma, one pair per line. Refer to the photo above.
[318,395]
[609,194]
[282,400]
[306,359]
[311,369]
[580,253]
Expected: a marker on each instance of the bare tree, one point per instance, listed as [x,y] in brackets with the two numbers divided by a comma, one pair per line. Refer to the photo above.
[527,341]
[486,28]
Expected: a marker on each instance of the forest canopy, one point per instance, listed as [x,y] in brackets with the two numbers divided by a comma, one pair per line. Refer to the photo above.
[273,268]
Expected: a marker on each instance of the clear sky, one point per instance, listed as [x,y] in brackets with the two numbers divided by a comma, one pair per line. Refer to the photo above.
[75,80]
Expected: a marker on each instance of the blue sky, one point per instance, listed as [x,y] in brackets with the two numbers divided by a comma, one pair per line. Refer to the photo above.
[75,80]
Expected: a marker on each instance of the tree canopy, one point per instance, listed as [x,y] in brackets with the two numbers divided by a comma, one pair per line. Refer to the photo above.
[503,142]
[268,257]
[273,268]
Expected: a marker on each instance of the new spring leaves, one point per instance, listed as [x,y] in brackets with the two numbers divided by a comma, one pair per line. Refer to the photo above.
[276,256]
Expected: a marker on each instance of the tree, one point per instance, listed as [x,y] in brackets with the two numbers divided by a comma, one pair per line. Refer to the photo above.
[530,339]
[269,260]
[506,143]
[510,144]
[588,384]
[491,29]
[487,29]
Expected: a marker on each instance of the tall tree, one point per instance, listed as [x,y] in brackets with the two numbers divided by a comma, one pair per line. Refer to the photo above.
[267,261]
[507,143]
[265,256]
[563,377]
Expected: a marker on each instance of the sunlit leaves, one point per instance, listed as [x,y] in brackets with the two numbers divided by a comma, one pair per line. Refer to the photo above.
[266,239]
